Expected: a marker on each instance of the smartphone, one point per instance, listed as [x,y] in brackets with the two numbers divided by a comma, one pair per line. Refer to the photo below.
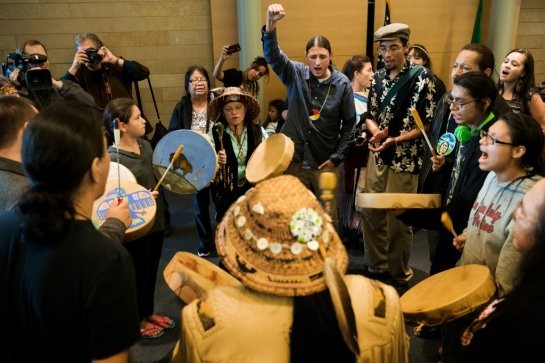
[233,48]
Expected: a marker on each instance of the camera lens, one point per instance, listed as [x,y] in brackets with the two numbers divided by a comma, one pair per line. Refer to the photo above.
[93,55]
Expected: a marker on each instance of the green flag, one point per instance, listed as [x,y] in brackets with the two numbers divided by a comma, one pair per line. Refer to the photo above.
[476,36]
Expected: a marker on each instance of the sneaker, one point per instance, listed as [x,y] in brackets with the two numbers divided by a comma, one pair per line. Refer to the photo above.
[203,252]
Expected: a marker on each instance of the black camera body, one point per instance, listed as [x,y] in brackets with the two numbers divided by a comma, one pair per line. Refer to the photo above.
[21,61]
[38,80]
[93,55]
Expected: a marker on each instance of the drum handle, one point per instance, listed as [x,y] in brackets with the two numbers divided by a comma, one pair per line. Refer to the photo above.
[176,155]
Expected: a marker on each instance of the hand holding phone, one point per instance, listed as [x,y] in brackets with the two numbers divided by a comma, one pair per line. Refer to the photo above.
[233,48]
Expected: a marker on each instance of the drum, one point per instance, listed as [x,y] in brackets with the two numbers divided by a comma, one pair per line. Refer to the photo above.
[190,276]
[142,207]
[193,170]
[271,158]
[123,174]
[398,200]
[448,295]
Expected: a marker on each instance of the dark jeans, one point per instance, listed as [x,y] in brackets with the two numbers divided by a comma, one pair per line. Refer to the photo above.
[146,253]
[201,204]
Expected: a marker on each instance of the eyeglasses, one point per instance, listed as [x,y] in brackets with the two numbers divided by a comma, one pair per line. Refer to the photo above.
[457,103]
[199,80]
[492,140]
[393,48]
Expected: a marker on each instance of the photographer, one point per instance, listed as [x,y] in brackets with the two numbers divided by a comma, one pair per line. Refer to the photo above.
[101,73]
[30,58]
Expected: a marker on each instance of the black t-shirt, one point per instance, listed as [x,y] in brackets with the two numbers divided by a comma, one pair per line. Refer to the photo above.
[73,299]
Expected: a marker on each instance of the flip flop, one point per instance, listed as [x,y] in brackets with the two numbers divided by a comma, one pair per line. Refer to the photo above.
[152,332]
[163,322]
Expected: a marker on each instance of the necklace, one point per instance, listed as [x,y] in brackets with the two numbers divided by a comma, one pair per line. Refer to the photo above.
[316,113]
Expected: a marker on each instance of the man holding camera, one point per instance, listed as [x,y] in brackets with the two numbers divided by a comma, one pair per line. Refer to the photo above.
[32,77]
[101,73]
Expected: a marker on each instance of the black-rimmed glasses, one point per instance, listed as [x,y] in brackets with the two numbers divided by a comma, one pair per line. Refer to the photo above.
[492,140]
[457,103]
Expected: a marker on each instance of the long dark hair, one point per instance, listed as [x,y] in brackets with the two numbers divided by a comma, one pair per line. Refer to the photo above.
[354,64]
[59,147]
[479,86]
[189,72]
[120,108]
[526,85]
[278,104]
[525,131]
[253,86]
[486,56]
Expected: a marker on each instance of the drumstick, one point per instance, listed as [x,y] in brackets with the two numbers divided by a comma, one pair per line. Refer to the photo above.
[117,140]
[176,155]
[420,125]
[447,222]
[327,183]
[219,129]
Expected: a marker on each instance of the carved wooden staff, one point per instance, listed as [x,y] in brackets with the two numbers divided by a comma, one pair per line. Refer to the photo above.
[219,129]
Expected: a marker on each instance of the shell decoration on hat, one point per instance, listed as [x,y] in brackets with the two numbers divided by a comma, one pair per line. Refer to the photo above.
[270,239]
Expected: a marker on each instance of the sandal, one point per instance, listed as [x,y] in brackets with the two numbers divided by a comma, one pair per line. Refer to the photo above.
[151,331]
[163,322]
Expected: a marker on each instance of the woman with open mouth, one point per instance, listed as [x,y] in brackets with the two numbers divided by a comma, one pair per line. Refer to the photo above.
[518,87]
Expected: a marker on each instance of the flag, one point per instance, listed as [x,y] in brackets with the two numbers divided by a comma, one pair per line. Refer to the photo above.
[380,62]
[477,33]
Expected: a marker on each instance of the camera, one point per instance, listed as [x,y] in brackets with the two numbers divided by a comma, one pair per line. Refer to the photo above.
[38,80]
[21,61]
[93,55]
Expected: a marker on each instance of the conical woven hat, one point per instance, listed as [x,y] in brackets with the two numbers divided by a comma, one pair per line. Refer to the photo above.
[233,94]
[270,239]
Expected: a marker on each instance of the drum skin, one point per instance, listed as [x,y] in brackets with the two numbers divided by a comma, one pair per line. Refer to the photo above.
[448,295]
[271,158]
[194,169]
[142,207]
[124,172]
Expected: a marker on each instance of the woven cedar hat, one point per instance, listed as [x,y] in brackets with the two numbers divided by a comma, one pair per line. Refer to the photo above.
[270,239]
[232,94]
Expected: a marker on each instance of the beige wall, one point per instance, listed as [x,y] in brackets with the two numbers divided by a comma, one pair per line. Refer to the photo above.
[531,33]
[168,36]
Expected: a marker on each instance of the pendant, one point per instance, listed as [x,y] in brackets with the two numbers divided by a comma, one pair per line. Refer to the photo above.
[446,144]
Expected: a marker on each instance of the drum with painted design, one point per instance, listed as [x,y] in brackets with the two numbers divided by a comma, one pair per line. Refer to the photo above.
[142,207]
[194,169]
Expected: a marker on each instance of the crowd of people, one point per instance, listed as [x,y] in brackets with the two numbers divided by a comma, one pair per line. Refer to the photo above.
[485,160]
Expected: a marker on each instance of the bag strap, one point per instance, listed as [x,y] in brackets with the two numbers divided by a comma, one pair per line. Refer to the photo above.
[400,83]
[154,102]
[139,99]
